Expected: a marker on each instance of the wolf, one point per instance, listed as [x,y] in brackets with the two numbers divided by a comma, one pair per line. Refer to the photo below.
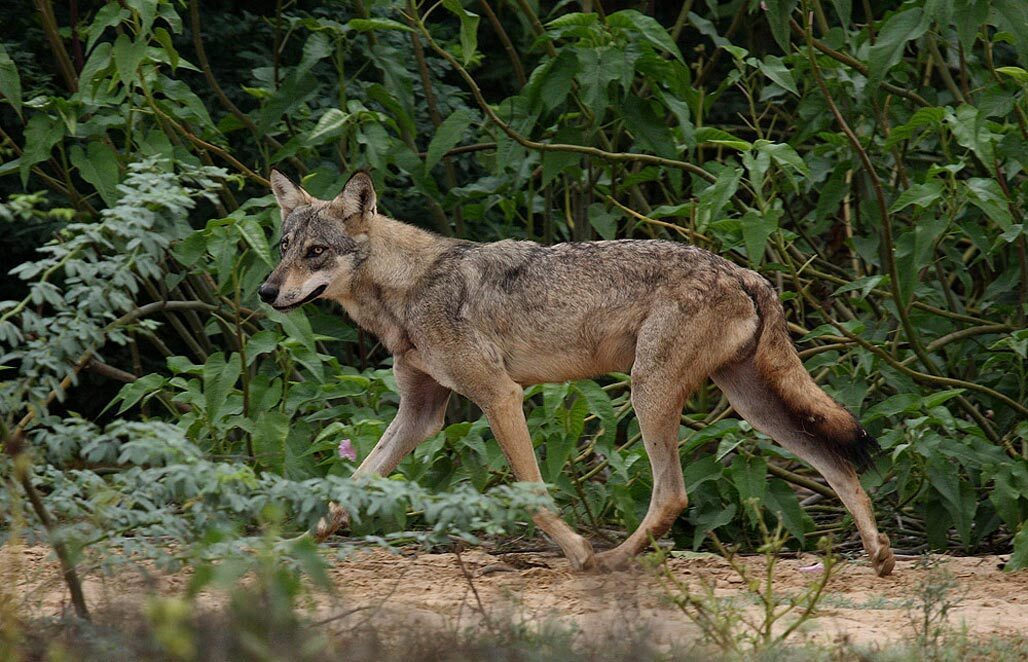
[485,320]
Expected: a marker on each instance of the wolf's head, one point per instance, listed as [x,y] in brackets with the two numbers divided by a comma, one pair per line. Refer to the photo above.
[323,241]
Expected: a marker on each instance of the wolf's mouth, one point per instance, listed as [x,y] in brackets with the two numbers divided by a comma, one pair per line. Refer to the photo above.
[317,292]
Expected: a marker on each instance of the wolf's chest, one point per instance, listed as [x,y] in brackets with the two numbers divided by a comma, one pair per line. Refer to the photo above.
[375,317]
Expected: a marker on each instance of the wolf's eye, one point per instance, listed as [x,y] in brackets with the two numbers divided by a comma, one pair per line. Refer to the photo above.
[315,251]
[284,245]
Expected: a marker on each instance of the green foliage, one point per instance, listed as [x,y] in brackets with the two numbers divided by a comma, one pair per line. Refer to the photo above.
[143,174]
[725,622]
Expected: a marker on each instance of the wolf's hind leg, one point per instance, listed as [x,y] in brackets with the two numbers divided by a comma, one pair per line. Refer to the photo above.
[758,404]
[675,352]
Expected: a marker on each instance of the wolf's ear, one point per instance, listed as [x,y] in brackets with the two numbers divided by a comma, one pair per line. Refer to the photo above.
[357,200]
[289,195]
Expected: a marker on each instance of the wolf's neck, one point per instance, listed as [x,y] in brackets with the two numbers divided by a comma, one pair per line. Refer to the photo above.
[397,257]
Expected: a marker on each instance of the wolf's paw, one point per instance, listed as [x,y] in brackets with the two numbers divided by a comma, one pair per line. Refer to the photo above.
[580,554]
[336,519]
[612,559]
[882,559]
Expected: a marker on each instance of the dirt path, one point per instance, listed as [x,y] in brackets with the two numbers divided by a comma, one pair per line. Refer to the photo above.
[433,589]
[857,605]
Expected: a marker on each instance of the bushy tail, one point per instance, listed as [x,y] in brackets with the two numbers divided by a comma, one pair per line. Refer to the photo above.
[809,412]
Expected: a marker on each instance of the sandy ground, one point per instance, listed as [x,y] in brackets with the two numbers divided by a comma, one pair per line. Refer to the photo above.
[433,589]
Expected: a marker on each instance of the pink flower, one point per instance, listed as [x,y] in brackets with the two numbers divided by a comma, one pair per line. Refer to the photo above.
[347,451]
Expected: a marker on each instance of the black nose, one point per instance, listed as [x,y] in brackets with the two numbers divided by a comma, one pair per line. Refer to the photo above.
[268,293]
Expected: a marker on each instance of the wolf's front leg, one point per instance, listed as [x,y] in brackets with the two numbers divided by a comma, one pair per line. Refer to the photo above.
[505,411]
[420,415]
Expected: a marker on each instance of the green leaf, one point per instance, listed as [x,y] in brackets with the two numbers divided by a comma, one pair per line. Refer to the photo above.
[297,464]
[597,69]
[573,24]
[922,195]
[844,8]
[650,131]
[10,81]
[296,325]
[468,29]
[133,392]
[448,135]
[714,198]
[923,117]
[1012,16]
[299,84]
[369,24]
[701,471]
[959,497]
[98,165]
[915,251]
[713,136]
[893,406]
[145,10]
[603,220]
[269,439]
[892,40]
[969,127]
[550,83]
[128,54]
[317,47]
[1017,73]
[164,39]
[262,342]
[756,228]
[190,105]
[936,399]
[179,365]
[864,285]
[191,249]
[782,501]
[219,377]
[329,126]
[778,14]
[41,134]
[784,155]
[749,476]
[599,404]
[253,234]
[774,68]
[986,194]
[108,16]
[647,27]
[1019,559]
[710,519]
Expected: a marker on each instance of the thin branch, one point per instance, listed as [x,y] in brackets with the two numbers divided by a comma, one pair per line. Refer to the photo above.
[888,250]
[71,577]
[110,372]
[201,56]
[623,157]
[854,63]
[512,53]
[464,149]
[53,35]
[437,119]
[801,481]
